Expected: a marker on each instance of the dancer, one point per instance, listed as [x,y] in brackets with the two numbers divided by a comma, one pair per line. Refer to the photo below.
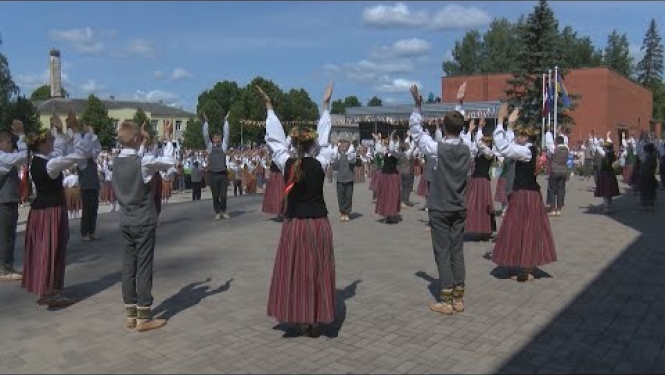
[13,155]
[343,164]
[446,202]
[107,174]
[556,186]
[302,290]
[138,222]
[607,186]
[72,192]
[217,177]
[480,218]
[525,238]
[629,145]
[406,165]
[273,201]
[88,176]
[388,191]
[47,229]
[379,150]
[196,181]
[648,183]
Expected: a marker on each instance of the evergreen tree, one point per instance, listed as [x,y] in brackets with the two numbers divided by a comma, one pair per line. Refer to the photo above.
[617,54]
[374,102]
[193,135]
[500,44]
[24,110]
[650,68]
[96,114]
[468,56]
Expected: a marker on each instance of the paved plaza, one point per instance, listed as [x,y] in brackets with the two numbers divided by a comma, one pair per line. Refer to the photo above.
[598,309]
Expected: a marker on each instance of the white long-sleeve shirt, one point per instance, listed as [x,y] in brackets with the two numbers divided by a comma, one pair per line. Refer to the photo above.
[9,160]
[150,164]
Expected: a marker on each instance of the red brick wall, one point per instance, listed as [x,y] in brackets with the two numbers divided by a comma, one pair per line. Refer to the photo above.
[607,100]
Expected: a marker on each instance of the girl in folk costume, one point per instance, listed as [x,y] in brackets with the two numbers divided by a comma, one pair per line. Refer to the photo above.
[379,151]
[107,173]
[480,217]
[47,229]
[607,186]
[72,193]
[525,238]
[359,166]
[406,161]
[423,188]
[167,185]
[500,193]
[302,290]
[249,178]
[630,156]
[260,171]
[343,164]
[648,183]
[273,199]
[388,191]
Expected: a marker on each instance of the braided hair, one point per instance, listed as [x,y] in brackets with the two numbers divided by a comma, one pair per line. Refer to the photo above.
[303,140]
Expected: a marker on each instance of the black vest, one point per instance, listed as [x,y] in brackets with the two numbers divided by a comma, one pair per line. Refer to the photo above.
[305,200]
[525,173]
[482,167]
[50,192]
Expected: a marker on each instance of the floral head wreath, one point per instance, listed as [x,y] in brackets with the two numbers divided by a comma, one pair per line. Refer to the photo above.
[531,132]
[303,135]
[40,136]
[608,144]
[487,139]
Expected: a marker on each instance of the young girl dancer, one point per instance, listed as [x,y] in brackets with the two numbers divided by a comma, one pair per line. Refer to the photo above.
[273,201]
[379,152]
[525,238]
[303,280]
[47,229]
[607,186]
[480,219]
[389,190]
[72,193]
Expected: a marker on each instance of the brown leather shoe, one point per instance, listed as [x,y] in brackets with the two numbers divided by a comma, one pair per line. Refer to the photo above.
[144,325]
[131,323]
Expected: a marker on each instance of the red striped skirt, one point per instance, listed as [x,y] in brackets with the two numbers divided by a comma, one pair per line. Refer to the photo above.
[423,188]
[500,194]
[303,278]
[359,174]
[329,174]
[167,188]
[376,179]
[273,197]
[479,206]
[45,250]
[525,238]
[156,185]
[607,185]
[73,198]
[388,195]
[627,170]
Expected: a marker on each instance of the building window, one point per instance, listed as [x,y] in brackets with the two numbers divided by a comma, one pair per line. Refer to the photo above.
[154,124]
[178,125]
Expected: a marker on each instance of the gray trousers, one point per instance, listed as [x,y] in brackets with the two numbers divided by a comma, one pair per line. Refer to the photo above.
[137,264]
[345,197]
[556,189]
[448,243]
[8,223]
[219,187]
[89,208]
[407,187]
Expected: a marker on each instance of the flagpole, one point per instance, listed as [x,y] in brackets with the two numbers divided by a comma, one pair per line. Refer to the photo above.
[556,100]
[542,128]
[549,108]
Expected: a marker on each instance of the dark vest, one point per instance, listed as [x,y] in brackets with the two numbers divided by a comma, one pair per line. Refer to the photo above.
[344,168]
[560,160]
[137,203]
[9,186]
[447,192]
[525,173]
[405,164]
[50,192]
[389,165]
[482,167]
[216,159]
[305,200]
[274,168]
[607,161]
[88,177]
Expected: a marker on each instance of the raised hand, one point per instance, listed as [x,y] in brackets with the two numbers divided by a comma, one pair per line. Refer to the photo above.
[472,125]
[56,122]
[417,98]
[17,127]
[609,134]
[461,92]
[205,117]
[226,118]
[263,94]
[328,93]
[514,115]
[503,112]
[72,121]
[481,123]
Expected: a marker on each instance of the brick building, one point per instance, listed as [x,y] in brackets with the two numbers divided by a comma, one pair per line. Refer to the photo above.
[608,101]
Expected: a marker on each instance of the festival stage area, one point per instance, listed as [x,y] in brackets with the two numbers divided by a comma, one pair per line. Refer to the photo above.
[597,309]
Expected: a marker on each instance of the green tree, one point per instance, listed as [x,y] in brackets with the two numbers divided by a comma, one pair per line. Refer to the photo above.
[300,106]
[140,118]
[500,44]
[193,135]
[8,89]
[339,106]
[374,102]
[96,114]
[539,51]
[223,93]
[617,54]
[24,110]
[650,68]
[576,51]
[43,92]
[467,56]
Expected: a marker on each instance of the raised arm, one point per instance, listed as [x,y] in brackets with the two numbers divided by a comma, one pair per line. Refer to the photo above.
[206,133]
[225,134]
[480,145]
[325,152]
[82,150]
[423,141]
[275,136]
[549,142]
[510,149]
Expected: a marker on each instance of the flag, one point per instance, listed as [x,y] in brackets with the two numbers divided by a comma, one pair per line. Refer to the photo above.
[550,96]
[546,100]
[561,91]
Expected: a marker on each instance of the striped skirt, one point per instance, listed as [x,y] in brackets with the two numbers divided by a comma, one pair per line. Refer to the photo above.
[375,179]
[607,185]
[45,250]
[500,195]
[423,187]
[479,206]
[73,198]
[525,238]
[626,173]
[157,185]
[359,174]
[167,189]
[303,278]
[388,195]
[273,197]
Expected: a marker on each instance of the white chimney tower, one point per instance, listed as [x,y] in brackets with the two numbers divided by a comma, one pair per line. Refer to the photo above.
[55,74]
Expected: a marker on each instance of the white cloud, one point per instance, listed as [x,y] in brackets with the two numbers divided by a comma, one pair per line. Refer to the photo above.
[180,73]
[397,85]
[449,17]
[396,15]
[155,96]
[140,47]
[159,74]
[30,81]
[460,17]
[83,40]
[413,47]
[92,86]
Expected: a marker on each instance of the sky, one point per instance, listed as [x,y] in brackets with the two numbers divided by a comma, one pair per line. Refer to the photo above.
[173,51]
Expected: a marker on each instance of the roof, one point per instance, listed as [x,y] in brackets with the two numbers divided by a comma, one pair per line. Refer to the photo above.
[77,105]
[428,110]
